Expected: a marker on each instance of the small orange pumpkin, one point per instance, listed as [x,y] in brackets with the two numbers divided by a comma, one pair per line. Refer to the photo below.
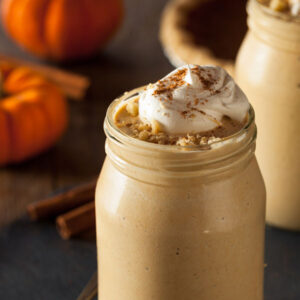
[61,29]
[33,115]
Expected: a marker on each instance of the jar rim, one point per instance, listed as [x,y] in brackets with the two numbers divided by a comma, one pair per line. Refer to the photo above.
[119,136]
[274,14]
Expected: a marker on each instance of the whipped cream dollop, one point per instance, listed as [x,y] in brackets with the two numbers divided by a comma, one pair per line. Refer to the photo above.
[193,99]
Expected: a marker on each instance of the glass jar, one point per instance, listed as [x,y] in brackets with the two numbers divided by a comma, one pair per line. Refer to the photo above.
[177,222]
[268,70]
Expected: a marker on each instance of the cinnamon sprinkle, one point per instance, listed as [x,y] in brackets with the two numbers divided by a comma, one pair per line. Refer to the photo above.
[184,114]
[170,84]
[207,82]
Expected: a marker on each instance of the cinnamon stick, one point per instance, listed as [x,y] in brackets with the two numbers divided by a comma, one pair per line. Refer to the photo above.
[61,203]
[73,85]
[76,221]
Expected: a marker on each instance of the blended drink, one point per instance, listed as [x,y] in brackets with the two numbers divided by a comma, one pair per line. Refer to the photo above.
[180,201]
[268,70]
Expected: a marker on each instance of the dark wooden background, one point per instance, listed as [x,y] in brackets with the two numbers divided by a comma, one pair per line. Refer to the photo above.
[34,262]
[133,58]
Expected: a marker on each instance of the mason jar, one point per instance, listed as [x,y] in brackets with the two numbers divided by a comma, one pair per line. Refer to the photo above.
[180,222]
[268,70]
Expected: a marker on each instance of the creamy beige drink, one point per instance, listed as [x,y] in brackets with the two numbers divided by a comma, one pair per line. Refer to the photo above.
[180,201]
[268,70]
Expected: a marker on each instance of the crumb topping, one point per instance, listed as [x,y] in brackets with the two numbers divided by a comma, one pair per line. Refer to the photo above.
[127,119]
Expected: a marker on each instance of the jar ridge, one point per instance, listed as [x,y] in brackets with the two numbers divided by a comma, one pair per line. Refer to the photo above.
[279,30]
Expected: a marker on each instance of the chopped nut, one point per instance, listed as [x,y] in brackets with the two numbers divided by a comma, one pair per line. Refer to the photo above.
[203,140]
[279,5]
[163,138]
[152,138]
[143,135]
[132,108]
[143,126]
[181,142]
[135,131]
[155,127]
[192,139]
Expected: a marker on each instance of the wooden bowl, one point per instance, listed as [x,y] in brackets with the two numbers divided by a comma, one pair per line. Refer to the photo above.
[204,32]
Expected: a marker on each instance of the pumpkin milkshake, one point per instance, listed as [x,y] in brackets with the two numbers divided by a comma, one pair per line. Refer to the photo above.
[268,70]
[180,201]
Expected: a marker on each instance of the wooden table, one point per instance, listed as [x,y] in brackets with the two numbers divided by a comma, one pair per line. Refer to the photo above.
[34,262]
[134,58]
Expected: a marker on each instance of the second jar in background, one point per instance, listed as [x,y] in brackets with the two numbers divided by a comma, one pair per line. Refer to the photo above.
[268,70]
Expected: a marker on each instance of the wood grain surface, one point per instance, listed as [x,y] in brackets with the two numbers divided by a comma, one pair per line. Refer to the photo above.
[132,59]
[35,263]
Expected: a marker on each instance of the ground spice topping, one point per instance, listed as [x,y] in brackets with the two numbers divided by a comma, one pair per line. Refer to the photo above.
[170,84]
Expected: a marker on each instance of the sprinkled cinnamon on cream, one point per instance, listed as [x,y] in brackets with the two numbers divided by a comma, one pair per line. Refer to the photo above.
[192,99]
[192,105]
[177,80]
